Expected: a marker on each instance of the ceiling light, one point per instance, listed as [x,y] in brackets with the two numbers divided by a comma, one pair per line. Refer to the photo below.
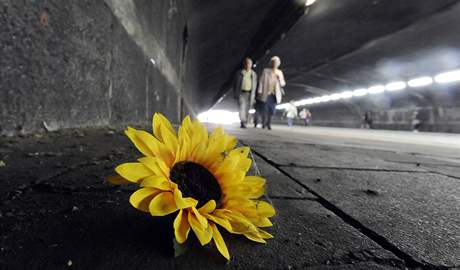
[447,77]
[309,2]
[252,111]
[325,98]
[395,86]
[303,102]
[282,106]
[360,92]
[315,100]
[153,61]
[336,96]
[376,89]
[346,94]
[419,82]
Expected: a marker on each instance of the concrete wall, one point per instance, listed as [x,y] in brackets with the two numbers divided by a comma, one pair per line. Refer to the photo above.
[80,63]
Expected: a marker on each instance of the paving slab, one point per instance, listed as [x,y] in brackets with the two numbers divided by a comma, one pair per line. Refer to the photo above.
[419,213]
[279,185]
[308,155]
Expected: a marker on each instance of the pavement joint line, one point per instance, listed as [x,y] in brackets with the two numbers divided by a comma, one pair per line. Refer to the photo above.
[377,238]
[444,174]
[424,163]
[348,168]
[288,198]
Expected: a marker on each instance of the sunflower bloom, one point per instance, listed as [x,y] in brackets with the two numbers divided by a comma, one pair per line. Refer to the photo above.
[199,177]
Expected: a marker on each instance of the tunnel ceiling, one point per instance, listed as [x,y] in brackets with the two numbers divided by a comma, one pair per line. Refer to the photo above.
[338,45]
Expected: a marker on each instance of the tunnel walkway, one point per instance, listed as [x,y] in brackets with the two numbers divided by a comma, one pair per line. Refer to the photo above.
[342,202]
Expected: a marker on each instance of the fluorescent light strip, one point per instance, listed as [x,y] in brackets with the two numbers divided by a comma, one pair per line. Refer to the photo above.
[396,86]
[360,92]
[448,77]
[376,89]
[445,77]
[421,81]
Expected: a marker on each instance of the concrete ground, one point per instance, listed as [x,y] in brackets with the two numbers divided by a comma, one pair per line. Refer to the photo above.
[345,199]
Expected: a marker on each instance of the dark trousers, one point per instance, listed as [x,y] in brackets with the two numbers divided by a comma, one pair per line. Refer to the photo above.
[269,110]
[259,114]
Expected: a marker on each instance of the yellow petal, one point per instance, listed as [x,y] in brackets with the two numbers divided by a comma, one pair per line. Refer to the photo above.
[140,144]
[204,235]
[208,207]
[199,154]
[187,125]
[181,227]
[229,165]
[265,209]
[264,234]
[231,142]
[169,139]
[159,122]
[149,145]
[221,221]
[157,148]
[133,171]
[254,180]
[255,237]
[240,152]
[183,202]
[251,187]
[163,204]
[203,221]
[184,145]
[263,222]
[219,241]
[239,223]
[199,135]
[141,198]
[156,181]
[118,180]
[156,165]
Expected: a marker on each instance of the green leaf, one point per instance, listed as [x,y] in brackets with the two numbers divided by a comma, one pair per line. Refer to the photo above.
[179,249]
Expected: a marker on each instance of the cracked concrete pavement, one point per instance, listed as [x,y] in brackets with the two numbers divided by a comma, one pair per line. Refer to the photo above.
[342,203]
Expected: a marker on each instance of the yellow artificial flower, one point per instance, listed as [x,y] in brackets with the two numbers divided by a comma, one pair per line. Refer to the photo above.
[199,176]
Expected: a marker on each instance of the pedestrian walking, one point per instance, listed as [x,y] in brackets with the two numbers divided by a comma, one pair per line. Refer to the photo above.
[244,90]
[291,113]
[270,90]
[305,115]
[367,120]
[415,122]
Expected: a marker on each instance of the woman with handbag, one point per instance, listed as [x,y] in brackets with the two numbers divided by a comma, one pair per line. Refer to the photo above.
[270,90]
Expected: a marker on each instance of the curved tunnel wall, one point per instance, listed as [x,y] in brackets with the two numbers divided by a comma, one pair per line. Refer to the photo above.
[87,63]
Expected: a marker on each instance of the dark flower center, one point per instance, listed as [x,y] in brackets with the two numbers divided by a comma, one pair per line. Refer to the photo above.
[196,181]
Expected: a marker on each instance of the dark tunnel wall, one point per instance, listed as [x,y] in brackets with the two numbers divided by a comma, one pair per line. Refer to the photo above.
[87,63]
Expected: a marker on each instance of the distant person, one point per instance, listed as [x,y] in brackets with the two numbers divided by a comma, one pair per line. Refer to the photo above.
[367,120]
[244,90]
[270,90]
[291,113]
[305,115]
[416,122]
